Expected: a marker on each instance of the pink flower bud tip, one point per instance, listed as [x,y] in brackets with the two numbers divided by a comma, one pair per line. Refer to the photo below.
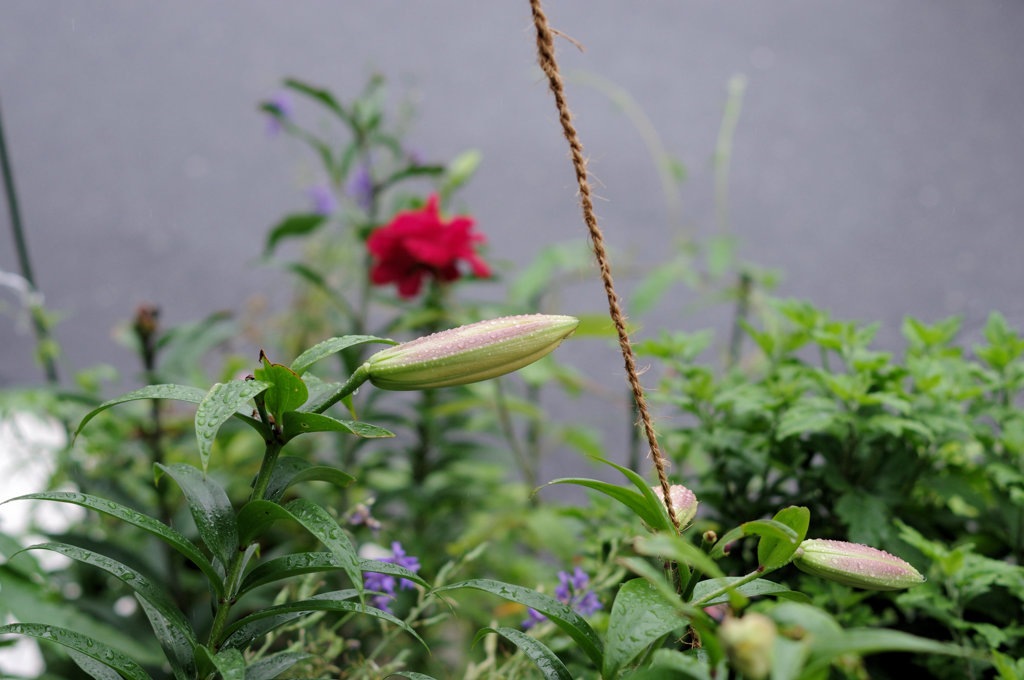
[856,565]
[684,502]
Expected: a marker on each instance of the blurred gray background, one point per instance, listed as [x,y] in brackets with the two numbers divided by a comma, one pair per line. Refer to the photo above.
[877,160]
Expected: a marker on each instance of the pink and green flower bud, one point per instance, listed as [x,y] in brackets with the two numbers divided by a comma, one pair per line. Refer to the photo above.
[684,502]
[749,643]
[855,565]
[467,354]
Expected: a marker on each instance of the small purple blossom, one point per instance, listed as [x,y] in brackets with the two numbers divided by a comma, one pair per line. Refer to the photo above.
[361,515]
[385,583]
[282,101]
[324,202]
[360,187]
[571,590]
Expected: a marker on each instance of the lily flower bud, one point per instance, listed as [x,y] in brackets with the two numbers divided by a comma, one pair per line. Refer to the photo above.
[750,644]
[855,565]
[482,350]
[684,502]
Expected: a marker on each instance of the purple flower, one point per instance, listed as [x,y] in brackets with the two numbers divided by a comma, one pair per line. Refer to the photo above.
[385,583]
[360,187]
[571,590]
[282,102]
[324,202]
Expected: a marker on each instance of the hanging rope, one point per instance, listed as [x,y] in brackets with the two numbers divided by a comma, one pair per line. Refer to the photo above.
[546,58]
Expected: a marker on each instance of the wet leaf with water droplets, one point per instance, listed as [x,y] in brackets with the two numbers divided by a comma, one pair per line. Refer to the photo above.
[137,519]
[210,508]
[332,346]
[219,404]
[178,648]
[563,616]
[296,423]
[142,586]
[336,601]
[292,469]
[270,667]
[83,644]
[192,395]
[307,563]
[640,615]
[550,666]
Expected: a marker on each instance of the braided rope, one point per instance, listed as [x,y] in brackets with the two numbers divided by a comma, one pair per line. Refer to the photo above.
[546,58]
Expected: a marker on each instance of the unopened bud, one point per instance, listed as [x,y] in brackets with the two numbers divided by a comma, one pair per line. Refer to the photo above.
[482,350]
[856,565]
[683,502]
[749,643]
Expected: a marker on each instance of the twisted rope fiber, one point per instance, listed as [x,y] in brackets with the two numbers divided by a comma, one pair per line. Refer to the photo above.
[546,58]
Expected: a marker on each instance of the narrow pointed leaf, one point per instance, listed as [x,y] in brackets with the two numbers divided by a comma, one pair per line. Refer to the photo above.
[179,650]
[653,502]
[192,395]
[549,665]
[339,601]
[307,563]
[826,648]
[668,546]
[142,586]
[411,675]
[332,346]
[82,644]
[563,616]
[229,662]
[774,552]
[640,615]
[145,522]
[210,508]
[219,404]
[631,499]
[292,226]
[292,469]
[755,588]
[93,668]
[299,422]
[272,666]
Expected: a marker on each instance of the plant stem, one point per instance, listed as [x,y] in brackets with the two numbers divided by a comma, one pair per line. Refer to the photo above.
[39,321]
[756,574]
[742,310]
[259,487]
[355,380]
[505,421]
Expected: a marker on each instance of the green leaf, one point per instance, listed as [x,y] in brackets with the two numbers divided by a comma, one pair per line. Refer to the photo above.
[640,615]
[653,502]
[256,516]
[142,586]
[321,96]
[563,616]
[211,510]
[286,393]
[655,284]
[297,422]
[678,549]
[332,346]
[219,404]
[755,588]
[809,415]
[631,499]
[92,667]
[229,662]
[178,648]
[860,641]
[411,675]
[774,552]
[270,667]
[758,527]
[292,470]
[291,227]
[670,664]
[82,644]
[549,665]
[137,519]
[307,563]
[337,601]
[192,395]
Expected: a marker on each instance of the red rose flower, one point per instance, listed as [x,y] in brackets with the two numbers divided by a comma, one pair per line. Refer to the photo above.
[419,243]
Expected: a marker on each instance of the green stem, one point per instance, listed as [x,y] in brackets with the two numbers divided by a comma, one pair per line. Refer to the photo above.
[259,487]
[39,322]
[756,574]
[360,376]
